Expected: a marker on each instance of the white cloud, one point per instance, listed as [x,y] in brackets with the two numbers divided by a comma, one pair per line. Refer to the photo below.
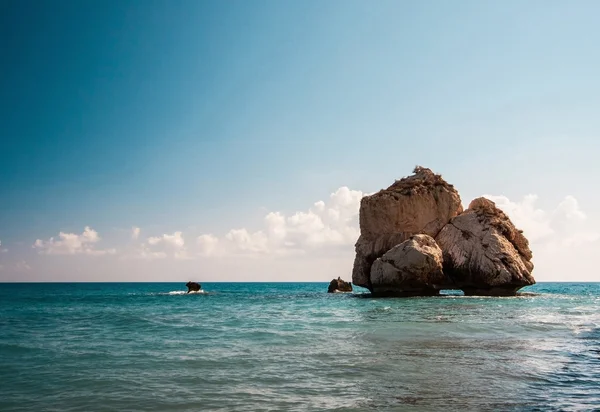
[135,232]
[175,240]
[22,266]
[145,253]
[18,267]
[563,242]
[207,244]
[160,247]
[535,223]
[244,241]
[565,225]
[326,225]
[72,244]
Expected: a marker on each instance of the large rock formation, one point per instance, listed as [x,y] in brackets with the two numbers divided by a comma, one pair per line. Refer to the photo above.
[481,250]
[414,267]
[484,254]
[339,285]
[421,203]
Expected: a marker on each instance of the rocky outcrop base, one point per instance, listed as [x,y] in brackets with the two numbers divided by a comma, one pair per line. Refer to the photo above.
[412,268]
[491,291]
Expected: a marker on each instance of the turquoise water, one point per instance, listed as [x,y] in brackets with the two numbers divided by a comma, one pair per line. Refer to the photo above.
[291,346]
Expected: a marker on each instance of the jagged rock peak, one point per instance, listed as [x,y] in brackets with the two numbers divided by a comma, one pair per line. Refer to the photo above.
[489,213]
[421,203]
[423,179]
[484,254]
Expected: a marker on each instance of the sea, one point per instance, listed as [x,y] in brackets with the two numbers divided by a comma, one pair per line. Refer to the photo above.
[294,347]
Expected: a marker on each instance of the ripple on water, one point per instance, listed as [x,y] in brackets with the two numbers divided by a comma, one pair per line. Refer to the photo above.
[294,347]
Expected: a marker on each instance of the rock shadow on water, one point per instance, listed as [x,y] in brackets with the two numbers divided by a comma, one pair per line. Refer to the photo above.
[442,293]
[528,294]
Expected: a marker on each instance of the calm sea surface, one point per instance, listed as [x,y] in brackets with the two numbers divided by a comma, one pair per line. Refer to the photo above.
[291,346]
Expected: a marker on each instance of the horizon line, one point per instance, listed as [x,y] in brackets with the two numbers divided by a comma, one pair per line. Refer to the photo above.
[210,281]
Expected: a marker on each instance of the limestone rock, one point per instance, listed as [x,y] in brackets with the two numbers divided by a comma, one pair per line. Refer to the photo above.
[339,285]
[484,254]
[413,267]
[421,203]
[361,271]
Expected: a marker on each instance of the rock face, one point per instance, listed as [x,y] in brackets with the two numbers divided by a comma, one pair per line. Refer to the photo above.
[415,240]
[339,285]
[414,267]
[419,204]
[484,254]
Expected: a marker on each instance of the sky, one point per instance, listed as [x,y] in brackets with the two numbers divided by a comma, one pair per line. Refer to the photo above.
[232,141]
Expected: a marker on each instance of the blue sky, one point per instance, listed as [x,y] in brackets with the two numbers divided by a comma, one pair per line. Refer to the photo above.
[202,117]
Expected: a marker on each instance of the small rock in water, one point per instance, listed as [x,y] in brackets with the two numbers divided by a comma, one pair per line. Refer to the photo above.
[193,287]
[339,285]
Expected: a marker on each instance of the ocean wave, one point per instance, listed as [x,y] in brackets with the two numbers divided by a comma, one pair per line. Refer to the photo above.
[183,292]
[578,321]
[253,346]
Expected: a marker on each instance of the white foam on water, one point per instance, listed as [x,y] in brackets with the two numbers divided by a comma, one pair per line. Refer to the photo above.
[183,292]
[576,321]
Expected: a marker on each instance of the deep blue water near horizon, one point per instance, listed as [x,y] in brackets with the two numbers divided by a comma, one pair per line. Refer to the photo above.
[291,346]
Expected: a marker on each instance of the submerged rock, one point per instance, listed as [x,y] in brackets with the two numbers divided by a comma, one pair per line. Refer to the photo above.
[419,204]
[414,267]
[339,285]
[484,254]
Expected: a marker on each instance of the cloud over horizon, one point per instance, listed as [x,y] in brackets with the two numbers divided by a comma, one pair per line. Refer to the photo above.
[328,230]
[564,226]
[563,242]
[324,226]
[161,247]
[135,232]
[72,244]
